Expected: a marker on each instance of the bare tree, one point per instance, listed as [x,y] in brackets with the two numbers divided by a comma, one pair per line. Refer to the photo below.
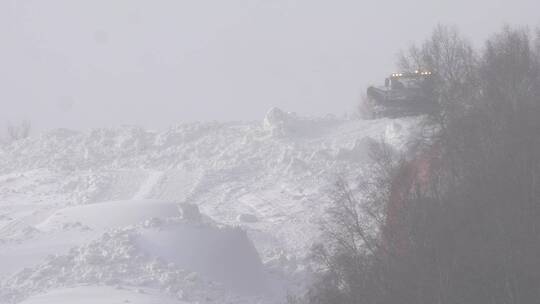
[453,62]
[461,219]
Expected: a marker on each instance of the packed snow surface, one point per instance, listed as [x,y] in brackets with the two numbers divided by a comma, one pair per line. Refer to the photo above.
[101,295]
[108,215]
[199,213]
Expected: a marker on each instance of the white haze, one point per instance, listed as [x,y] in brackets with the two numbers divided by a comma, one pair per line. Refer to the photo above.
[79,64]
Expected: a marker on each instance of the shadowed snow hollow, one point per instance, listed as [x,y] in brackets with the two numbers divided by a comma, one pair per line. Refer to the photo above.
[225,255]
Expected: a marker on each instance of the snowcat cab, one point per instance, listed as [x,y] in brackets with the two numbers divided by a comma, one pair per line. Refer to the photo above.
[403,94]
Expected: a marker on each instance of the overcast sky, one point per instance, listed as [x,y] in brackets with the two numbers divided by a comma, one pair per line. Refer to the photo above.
[79,64]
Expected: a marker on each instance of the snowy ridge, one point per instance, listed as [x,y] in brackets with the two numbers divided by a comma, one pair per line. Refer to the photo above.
[270,178]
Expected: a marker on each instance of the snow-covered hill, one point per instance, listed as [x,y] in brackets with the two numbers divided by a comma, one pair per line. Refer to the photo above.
[98,210]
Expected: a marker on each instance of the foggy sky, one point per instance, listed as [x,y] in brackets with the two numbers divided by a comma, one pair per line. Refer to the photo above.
[79,64]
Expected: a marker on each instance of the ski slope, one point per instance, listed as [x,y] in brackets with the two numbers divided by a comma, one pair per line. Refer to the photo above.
[86,213]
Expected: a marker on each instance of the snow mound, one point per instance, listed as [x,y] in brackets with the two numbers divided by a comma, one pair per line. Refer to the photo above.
[146,259]
[27,245]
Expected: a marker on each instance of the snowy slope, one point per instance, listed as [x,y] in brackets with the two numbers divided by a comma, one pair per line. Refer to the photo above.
[66,195]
